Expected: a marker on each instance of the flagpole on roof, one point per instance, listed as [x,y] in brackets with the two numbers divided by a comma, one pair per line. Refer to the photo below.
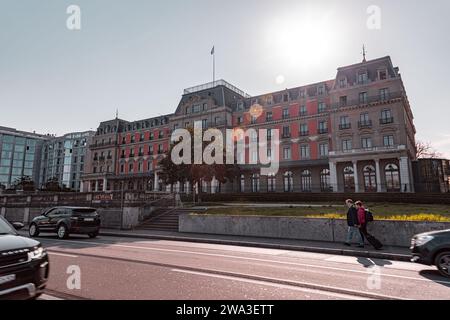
[214,64]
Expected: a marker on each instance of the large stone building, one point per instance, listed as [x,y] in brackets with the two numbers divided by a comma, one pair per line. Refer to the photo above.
[354,133]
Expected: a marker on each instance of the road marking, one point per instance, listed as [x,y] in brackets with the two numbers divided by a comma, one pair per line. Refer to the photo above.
[62,254]
[48,297]
[259,260]
[352,295]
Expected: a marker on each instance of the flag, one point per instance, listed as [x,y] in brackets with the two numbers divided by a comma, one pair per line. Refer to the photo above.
[212,50]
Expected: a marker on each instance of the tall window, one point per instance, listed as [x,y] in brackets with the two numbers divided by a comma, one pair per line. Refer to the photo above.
[286,132]
[325,184]
[388,141]
[386,116]
[255,182]
[288,181]
[384,94]
[304,151]
[205,123]
[349,179]
[346,145]
[323,127]
[287,153]
[285,113]
[304,129]
[271,183]
[306,180]
[366,143]
[362,77]
[323,149]
[303,111]
[269,116]
[370,180]
[322,107]
[392,178]
[363,98]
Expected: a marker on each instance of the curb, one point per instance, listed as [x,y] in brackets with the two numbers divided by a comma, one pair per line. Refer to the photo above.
[343,252]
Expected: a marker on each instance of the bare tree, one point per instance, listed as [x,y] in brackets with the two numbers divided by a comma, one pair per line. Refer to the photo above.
[426,150]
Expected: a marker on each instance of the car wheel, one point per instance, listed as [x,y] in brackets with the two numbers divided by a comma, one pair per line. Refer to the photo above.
[93,234]
[442,262]
[62,231]
[33,231]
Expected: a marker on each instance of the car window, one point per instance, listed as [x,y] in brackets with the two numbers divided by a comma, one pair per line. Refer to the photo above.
[5,227]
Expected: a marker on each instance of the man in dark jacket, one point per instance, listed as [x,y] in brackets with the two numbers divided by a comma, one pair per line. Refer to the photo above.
[352,222]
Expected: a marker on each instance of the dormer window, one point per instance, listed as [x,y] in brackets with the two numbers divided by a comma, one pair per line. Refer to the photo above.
[382,74]
[269,100]
[342,82]
[320,90]
[362,77]
[240,105]
[302,93]
[285,97]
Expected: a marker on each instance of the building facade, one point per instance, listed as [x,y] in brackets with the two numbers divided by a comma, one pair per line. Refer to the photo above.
[63,159]
[19,155]
[354,133]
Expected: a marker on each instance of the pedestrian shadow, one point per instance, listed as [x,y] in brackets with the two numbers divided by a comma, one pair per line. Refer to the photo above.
[435,276]
[370,262]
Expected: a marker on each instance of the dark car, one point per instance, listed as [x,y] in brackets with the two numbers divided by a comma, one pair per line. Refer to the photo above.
[432,248]
[24,265]
[66,220]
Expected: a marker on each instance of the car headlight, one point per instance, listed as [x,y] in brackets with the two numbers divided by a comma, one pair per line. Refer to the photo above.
[421,240]
[37,253]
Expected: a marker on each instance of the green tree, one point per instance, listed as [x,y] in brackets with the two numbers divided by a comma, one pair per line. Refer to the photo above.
[52,184]
[24,183]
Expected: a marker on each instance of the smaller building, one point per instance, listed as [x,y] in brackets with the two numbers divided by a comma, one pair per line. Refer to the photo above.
[432,175]
[63,159]
[19,155]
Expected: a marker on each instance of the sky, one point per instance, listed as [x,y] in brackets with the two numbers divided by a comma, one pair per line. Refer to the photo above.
[137,56]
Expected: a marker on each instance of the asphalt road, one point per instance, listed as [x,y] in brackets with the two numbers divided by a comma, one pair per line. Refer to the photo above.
[127,268]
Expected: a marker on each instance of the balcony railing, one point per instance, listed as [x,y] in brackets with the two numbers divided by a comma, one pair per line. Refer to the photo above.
[304,133]
[363,151]
[215,84]
[322,130]
[365,124]
[386,120]
[286,135]
[369,100]
[344,126]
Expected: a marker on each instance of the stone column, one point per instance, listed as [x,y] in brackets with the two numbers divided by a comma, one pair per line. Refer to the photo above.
[96,186]
[104,184]
[355,172]
[333,176]
[404,174]
[156,182]
[378,173]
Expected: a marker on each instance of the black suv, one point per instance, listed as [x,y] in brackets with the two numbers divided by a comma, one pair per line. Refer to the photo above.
[432,248]
[23,264]
[66,220]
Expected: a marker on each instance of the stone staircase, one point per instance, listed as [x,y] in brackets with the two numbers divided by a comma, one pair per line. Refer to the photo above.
[166,221]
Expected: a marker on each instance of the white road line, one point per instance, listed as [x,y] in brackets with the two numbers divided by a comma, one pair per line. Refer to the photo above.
[268,283]
[48,297]
[62,254]
[260,260]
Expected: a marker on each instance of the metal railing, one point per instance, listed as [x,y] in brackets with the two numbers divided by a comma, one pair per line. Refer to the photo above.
[216,83]
[370,99]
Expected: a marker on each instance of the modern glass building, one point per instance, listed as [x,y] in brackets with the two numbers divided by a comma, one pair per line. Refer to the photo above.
[19,155]
[63,158]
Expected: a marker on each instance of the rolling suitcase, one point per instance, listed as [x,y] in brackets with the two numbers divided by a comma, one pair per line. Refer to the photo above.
[374,241]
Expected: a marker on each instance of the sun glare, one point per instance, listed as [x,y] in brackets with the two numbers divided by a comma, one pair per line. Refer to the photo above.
[301,41]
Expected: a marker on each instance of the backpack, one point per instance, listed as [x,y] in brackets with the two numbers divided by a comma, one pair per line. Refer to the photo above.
[369,216]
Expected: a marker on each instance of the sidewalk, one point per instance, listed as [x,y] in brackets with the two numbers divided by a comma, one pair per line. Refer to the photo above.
[388,253]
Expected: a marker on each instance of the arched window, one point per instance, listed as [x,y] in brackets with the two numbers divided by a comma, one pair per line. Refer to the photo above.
[370,179]
[392,177]
[325,184]
[288,181]
[349,179]
[271,181]
[306,180]
[255,182]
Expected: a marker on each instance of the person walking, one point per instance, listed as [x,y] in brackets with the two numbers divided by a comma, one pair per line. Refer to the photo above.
[353,223]
[363,218]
